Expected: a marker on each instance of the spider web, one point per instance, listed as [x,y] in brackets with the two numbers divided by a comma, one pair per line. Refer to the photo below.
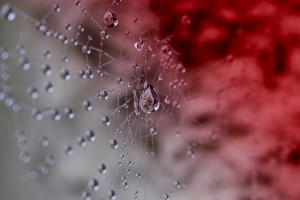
[67,84]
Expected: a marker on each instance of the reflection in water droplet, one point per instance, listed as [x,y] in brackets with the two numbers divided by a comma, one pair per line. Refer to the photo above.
[149,100]
[110,18]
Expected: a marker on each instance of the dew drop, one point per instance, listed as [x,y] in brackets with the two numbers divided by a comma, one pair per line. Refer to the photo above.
[81,141]
[86,196]
[69,151]
[4,55]
[112,195]
[110,18]
[50,160]
[44,168]
[102,169]
[56,8]
[25,157]
[153,131]
[87,105]
[7,12]
[69,112]
[90,136]
[49,88]
[44,141]
[33,93]
[105,121]
[56,115]
[68,27]
[139,44]
[47,54]
[65,75]
[93,185]
[113,144]
[119,80]
[86,50]
[104,34]
[47,71]
[149,100]
[26,65]
[103,95]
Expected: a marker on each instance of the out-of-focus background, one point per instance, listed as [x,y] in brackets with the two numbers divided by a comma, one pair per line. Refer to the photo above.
[226,78]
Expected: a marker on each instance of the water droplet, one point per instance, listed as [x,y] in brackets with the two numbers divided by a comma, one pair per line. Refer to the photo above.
[4,55]
[127,33]
[112,195]
[81,141]
[87,105]
[113,144]
[165,49]
[86,50]
[68,27]
[65,75]
[47,70]
[176,184]
[105,121]
[32,174]
[90,135]
[103,95]
[149,100]
[21,50]
[25,157]
[153,131]
[44,168]
[47,54]
[119,80]
[38,115]
[49,88]
[93,185]
[70,113]
[80,28]
[139,45]
[69,150]
[56,8]
[44,141]
[136,103]
[102,169]
[56,115]
[26,65]
[33,93]
[7,12]
[180,68]
[86,196]
[104,34]
[135,66]
[110,18]
[50,160]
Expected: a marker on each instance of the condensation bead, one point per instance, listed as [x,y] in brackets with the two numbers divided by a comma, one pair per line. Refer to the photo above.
[21,50]
[7,12]
[50,160]
[49,88]
[47,54]
[81,141]
[149,100]
[4,55]
[44,168]
[26,65]
[44,141]
[113,144]
[33,93]
[69,112]
[25,157]
[56,116]
[32,174]
[110,19]
[102,169]
[65,75]
[68,27]
[105,121]
[139,44]
[153,131]
[103,95]
[87,105]
[69,151]
[38,115]
[56,8]
[47,70]
[8,101]
[86,196]
[112,195]
[93,185]
[104,34]
[90,135]
[119,80]
[86,50]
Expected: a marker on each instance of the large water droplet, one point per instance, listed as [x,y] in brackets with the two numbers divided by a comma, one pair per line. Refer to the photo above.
[110,18]
[149,100]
